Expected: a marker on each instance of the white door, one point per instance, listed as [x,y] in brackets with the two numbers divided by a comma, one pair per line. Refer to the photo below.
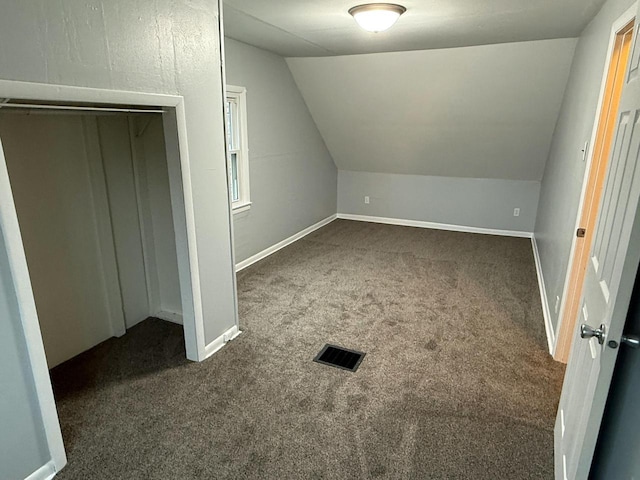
[608,284]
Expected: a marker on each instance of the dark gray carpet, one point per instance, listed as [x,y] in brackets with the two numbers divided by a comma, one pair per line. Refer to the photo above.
[456,384]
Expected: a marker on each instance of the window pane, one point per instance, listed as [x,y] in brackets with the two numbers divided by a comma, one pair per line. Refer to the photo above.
[235,188]
[229,119]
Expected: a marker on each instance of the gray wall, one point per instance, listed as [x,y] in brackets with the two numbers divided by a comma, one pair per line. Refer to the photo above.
[564,172]
[481,112]
[470,202]
[23,446]
[164,46]
[293,177]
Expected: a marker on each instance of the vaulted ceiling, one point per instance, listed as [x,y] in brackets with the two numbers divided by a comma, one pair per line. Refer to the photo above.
[309,28]
[485,111]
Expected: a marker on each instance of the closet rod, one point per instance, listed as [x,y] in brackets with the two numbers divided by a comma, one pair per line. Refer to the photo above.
[71,107]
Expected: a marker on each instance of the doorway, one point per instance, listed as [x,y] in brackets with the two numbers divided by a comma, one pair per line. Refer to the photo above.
[608,284]
[588,216]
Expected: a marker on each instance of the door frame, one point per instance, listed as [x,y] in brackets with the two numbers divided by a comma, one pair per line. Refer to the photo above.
[618,24]
[175,130]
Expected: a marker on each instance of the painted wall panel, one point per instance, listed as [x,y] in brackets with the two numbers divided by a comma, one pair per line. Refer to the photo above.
[158,196]
[293,177]
[115,148]
[564,172]
[164,46]
[48,162]
[483,112]
[471,202]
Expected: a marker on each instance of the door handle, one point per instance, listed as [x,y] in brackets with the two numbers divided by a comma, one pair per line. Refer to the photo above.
[587,332]
[632,341]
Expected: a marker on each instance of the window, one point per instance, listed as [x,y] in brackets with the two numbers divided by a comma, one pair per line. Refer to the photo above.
[237,147]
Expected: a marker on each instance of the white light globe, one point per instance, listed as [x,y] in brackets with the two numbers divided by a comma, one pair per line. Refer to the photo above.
[377,17]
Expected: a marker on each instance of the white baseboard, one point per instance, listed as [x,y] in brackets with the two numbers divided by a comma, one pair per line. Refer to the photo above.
[434,225]
[287,241]
[167,316]
[45,472]
[551,341]
[220,342]
[214,346]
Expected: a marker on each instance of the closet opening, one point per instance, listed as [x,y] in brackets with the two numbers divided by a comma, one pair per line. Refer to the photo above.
[100,208]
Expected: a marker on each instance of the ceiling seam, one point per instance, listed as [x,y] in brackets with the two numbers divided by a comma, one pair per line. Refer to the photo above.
[280,29]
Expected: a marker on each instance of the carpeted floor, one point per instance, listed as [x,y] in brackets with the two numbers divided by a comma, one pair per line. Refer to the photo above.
[456,384]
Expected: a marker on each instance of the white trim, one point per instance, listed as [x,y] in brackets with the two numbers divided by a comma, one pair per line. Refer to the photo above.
[621,22]
[66,94]
[224,125]
[434,225]
[45,472]
[184,223]
[168,316]
[221,341]
[546,313]
[287,241]
[241,207]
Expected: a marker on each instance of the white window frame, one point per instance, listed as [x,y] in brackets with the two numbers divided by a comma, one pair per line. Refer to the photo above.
[239,96]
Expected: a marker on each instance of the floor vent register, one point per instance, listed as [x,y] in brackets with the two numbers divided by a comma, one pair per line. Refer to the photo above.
[339,357]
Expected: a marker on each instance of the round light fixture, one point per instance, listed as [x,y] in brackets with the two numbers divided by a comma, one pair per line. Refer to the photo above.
[377,17]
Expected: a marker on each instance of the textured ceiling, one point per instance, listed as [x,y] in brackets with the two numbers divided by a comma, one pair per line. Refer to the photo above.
[312,28]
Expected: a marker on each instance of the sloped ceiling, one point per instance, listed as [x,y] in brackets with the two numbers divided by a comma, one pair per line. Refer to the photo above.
[301,28]
[484,111]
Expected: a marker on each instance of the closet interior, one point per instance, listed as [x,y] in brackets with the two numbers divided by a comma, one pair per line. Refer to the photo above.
[94,203]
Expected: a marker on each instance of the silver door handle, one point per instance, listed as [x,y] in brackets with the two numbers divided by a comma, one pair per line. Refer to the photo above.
[632,341]
[587,332]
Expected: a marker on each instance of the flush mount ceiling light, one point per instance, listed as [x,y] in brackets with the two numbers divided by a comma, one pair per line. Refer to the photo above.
[377,17]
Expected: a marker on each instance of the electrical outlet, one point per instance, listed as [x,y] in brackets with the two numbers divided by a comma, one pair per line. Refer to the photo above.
[557,303]
[516,212]
[366,199]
